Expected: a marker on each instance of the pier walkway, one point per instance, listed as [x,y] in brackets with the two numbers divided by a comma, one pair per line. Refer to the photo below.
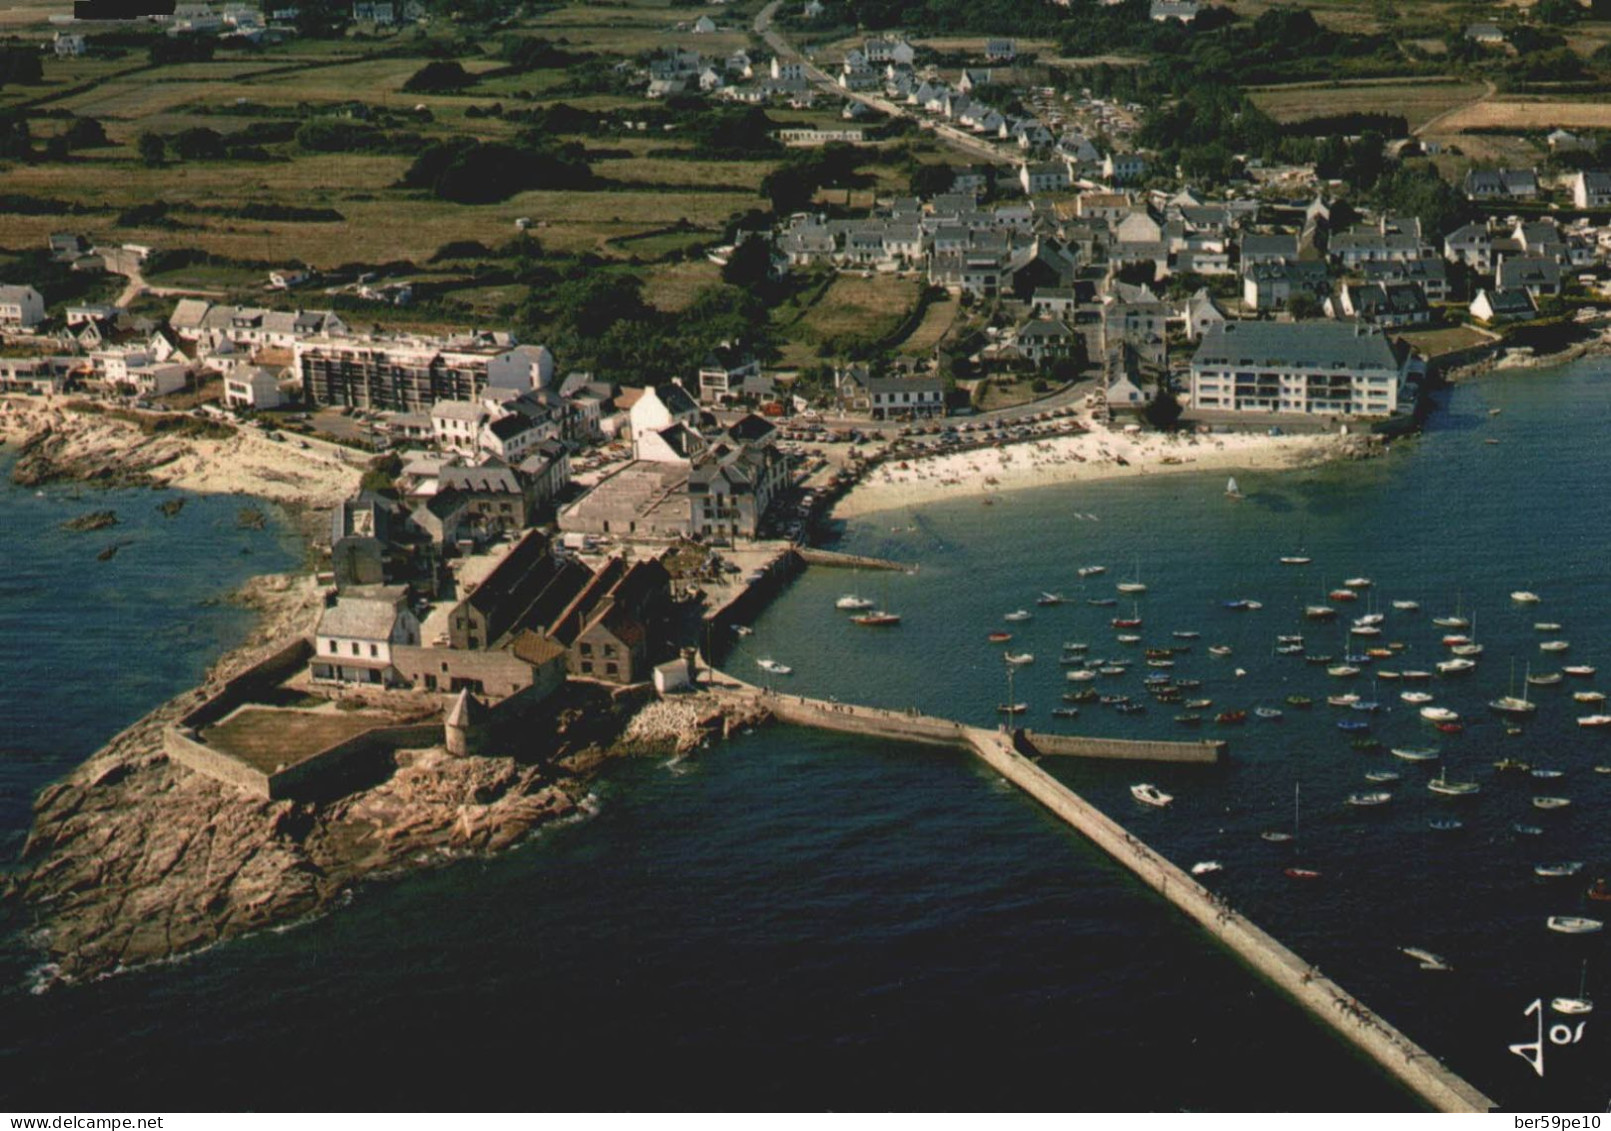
[1328,1002]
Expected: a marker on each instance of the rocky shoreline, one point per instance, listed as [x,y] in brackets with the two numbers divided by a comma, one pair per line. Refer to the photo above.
[133,859]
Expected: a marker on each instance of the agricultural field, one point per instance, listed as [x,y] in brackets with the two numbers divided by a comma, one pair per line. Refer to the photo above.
[1419,101]
[853,307]
[1524,113]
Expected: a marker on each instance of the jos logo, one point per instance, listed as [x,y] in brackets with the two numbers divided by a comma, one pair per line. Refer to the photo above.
[1559,1034]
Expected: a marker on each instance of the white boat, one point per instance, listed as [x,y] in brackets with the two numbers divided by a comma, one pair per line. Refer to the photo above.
[1455,666]
[851,603]
[1525,597]
[1295,559]
[1581,671]
[1414,674]
[1576,1006]
[1594,721]
[1132,586]
[1049,599]
[1416,753]
[1232,491]
[1364,800]
[1012,708]
[1127,638]
[1342,671]
[1558,869]
[1545,679]
[1365,630]
[1017,616]
[1019,657]
[1589,696]
[1551,802]
[1075,646]
[1573,924]
[774,667]
[742,629]
[1347,700]
[1546,626]
[1381,777]
[1219,649]
[1415,697]
[1358,583]
[1206,867]
[1091,570]
[1426,958]
[1439,714]
[1509,703]
[1149,794]
[1553,645]
[1368,620]
[1451,622]
[1407,606]
[1319,612]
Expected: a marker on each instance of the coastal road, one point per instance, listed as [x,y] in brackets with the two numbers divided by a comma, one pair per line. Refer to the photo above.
[969,145]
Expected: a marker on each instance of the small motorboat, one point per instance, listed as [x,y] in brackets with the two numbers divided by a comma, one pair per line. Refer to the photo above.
[1545,679]
[1199,704]
[1442,785]
[1452,622]
[1189,719]
[1019,658]
[1426,958]
[1300,873]
[1012,708]
[1407,606]
[1299,701]
[1415,698]
[742,630]
[1319,612]
[1347,699]
[1551,803]
[1017,616]
[1342,671]
[1206,867]
[1352,724]
[1048,599]
[1446,825]
[1127,638]
[1343,595]
[1294,559]
[1080,675]
[1381,777]
[1542,773]
[1581,671]
[1450,728]
[1186,634]
[1594,721]
[1457,666]
[878,618]
[999,637]
[1149,794]
[1091,570]
[1318,658]
[1574,924]
[1275,837]
[851,603]
[1231,718]
[1102,602]
[1219,649]
[1065,712]
[1558,869]
[1512,766]
[774,667]
[1525,597]
[1358,582]
[1240,604]
[1546,626]
[1415,675]
[1526,830]
[1365,800]
[1554,645]
[1075,646]
[1268,714]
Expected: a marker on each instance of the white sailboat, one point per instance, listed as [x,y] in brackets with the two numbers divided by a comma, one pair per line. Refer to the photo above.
[1133,586]
[1581,1003]
[1509,704]
[1232,491]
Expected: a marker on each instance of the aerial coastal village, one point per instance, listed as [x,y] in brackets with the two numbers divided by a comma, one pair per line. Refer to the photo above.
[569,338]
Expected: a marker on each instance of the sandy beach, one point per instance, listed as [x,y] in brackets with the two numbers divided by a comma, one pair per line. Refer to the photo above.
[1099,454]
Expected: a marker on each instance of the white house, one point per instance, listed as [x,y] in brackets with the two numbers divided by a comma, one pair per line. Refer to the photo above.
[1591,188]
[522,368]
[253,387]
[456,425]
[21,307]
[67,46]
[354,638]
[1493,307]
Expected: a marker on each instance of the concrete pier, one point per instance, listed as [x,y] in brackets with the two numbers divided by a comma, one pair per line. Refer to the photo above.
[1325,999]
[812,556]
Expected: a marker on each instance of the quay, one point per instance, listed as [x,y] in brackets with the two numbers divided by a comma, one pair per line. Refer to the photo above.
[812,556]
[1327,1001]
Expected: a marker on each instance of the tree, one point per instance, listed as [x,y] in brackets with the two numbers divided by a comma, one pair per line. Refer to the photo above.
[198,144]
[15,139]
[1303,305]
[20,66]
[750,265]
[438,76]
[787,189]
[152,149]
[1163,410]
[85,133]
[931,180]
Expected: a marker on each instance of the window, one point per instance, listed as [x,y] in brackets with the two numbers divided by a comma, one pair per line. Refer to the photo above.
[587,667]
[334,647]
[609,649]
[612,669]
[374,651]
[587,649]
[355,647]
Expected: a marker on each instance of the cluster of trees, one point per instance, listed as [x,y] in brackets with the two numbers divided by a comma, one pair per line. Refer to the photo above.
[19,65]
[793,183]
[467,171]
[202,144]
[438,76]
[182,49]
[601,319]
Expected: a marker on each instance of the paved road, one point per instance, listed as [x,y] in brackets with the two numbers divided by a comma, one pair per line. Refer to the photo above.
[957,139]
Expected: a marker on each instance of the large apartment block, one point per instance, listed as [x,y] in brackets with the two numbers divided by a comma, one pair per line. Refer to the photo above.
[410,375]
[1317,368]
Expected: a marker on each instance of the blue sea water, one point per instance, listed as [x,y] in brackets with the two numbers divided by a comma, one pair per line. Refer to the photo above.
[798,920]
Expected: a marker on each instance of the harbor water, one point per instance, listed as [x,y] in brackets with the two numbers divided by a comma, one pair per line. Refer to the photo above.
[796,919]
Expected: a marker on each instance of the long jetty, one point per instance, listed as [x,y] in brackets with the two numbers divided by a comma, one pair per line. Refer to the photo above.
[1327,1001]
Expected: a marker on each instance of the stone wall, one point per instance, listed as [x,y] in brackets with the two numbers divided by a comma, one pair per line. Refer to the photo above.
[252,683]
[325,768]
[181,745]
[1077,746]
[500,673]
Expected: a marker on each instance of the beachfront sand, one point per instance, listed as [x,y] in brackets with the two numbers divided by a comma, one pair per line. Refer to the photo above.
[1072,459]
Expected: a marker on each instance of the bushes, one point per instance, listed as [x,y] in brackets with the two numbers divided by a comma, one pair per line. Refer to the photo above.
[473,172]
[339,135]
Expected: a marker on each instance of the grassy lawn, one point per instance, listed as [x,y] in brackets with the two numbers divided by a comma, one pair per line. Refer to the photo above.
[1434,342]
[673,286]
[264,738]
[1418,101]
[937,321]
[851,307]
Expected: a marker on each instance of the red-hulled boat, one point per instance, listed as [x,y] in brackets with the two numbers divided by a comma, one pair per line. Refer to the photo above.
[1300,873]
[999,637]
